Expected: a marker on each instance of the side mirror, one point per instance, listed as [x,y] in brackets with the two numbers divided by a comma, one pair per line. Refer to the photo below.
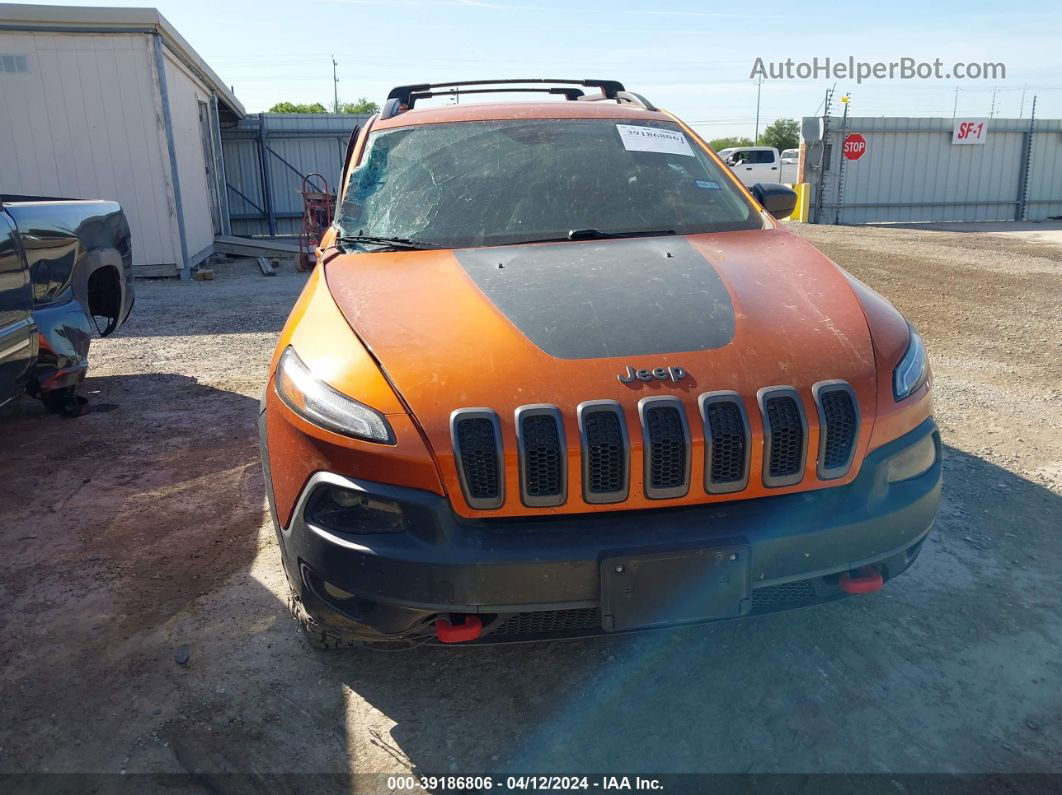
[776,198]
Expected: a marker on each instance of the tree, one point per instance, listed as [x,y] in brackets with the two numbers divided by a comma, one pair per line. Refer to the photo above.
[727,143]
[781,134]
[361,106]
[298,107]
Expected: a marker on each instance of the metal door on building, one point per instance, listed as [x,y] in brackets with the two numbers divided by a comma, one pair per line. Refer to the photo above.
[207,135]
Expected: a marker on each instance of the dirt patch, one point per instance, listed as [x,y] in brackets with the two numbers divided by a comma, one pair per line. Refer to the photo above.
[990,309]
[145,628]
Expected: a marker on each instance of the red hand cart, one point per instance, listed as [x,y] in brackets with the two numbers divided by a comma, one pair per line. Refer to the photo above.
[317,208]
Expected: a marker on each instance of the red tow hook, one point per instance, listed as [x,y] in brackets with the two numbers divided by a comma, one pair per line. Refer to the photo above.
[865,580]
[448,632]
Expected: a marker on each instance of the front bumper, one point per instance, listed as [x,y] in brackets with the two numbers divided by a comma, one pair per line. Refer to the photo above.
[511,570]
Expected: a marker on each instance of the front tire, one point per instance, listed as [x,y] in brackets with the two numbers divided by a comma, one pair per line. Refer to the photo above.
[64,401]
[316,636]
[322,638]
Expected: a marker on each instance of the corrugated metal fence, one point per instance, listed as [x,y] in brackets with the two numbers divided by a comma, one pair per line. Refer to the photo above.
[911,172]
[267,156]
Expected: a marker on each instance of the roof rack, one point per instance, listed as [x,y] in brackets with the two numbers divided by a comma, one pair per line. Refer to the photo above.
[403,98]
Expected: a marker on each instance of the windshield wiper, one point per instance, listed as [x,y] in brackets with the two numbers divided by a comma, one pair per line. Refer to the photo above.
[596,234]
[387,242]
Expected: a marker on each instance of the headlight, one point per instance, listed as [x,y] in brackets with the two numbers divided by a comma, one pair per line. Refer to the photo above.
[318,403]
[913,369]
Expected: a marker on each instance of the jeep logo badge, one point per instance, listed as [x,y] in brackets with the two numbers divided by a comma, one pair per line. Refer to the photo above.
[657,373]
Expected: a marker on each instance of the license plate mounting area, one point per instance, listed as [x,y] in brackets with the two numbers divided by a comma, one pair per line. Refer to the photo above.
[639,591]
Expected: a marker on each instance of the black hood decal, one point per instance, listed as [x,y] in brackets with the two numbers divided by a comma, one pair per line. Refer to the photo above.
[609,298]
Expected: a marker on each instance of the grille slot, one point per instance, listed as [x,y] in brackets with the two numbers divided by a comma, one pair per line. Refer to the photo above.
[838,427]
[606,457]
[726,442]
[785,436]
[549,622]
[476,438]
[543,455]
[665,447]
[606,451]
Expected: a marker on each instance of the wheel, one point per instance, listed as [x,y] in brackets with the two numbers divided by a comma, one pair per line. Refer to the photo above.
[316,636]
[64,401]
[322,639]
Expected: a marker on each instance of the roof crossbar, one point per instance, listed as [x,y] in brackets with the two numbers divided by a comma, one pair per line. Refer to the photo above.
[567,93]
[402,98]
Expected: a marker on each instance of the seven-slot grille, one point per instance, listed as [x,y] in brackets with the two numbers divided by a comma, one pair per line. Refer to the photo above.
[666,446]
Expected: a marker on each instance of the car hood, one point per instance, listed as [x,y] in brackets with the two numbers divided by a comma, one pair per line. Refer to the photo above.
[556,323]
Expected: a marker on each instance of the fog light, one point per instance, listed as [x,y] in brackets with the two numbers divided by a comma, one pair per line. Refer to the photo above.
[336,592]
[350,511]
[915,460]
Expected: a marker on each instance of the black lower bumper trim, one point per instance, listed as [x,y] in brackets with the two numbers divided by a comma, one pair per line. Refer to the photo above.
[540,577]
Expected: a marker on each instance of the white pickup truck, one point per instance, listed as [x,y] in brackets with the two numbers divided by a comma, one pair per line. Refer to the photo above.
[754,164]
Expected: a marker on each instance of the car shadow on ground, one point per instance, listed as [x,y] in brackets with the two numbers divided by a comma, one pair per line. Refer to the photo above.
[892,681]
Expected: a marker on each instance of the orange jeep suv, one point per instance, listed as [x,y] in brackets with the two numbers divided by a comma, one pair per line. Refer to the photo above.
[557,372]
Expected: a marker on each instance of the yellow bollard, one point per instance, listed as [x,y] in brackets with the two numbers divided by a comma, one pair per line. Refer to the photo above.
[800,213]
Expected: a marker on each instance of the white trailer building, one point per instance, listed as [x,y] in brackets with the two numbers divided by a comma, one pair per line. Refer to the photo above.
[112,103]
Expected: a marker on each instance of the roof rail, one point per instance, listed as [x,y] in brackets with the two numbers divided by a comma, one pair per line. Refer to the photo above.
[402,98]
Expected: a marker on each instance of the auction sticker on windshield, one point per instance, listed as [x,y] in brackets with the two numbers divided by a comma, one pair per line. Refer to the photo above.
[653,139]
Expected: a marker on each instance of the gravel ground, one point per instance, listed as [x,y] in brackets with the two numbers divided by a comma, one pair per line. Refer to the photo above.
[145,627]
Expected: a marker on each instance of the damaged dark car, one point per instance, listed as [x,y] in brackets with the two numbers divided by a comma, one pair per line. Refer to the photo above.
[65,274]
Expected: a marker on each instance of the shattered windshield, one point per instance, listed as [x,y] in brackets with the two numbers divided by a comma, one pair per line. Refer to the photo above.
[486,183]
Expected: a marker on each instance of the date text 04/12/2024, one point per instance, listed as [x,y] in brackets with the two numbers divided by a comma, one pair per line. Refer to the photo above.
[521,783]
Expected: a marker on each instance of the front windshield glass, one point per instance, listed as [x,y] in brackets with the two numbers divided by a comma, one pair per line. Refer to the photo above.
[486,183]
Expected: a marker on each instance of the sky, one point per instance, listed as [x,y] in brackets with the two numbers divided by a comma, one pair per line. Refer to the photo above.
[692,58]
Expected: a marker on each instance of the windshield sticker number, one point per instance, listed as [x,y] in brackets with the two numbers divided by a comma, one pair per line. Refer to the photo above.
[653,139]
[703,183]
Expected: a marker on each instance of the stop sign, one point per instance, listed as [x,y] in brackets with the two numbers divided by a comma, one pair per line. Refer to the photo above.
[855,146]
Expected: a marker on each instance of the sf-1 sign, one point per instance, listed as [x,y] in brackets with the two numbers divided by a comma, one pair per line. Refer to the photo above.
[855,146]
[969,131]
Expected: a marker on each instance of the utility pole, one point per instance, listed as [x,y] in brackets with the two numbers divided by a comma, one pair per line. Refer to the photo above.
[1026,166]
[955,107]
[824,156]
[846,99]
[1021,107]
[759,85]
[335,86]
[992,113]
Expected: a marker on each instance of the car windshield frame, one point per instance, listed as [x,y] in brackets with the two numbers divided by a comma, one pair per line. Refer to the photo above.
[458,185]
